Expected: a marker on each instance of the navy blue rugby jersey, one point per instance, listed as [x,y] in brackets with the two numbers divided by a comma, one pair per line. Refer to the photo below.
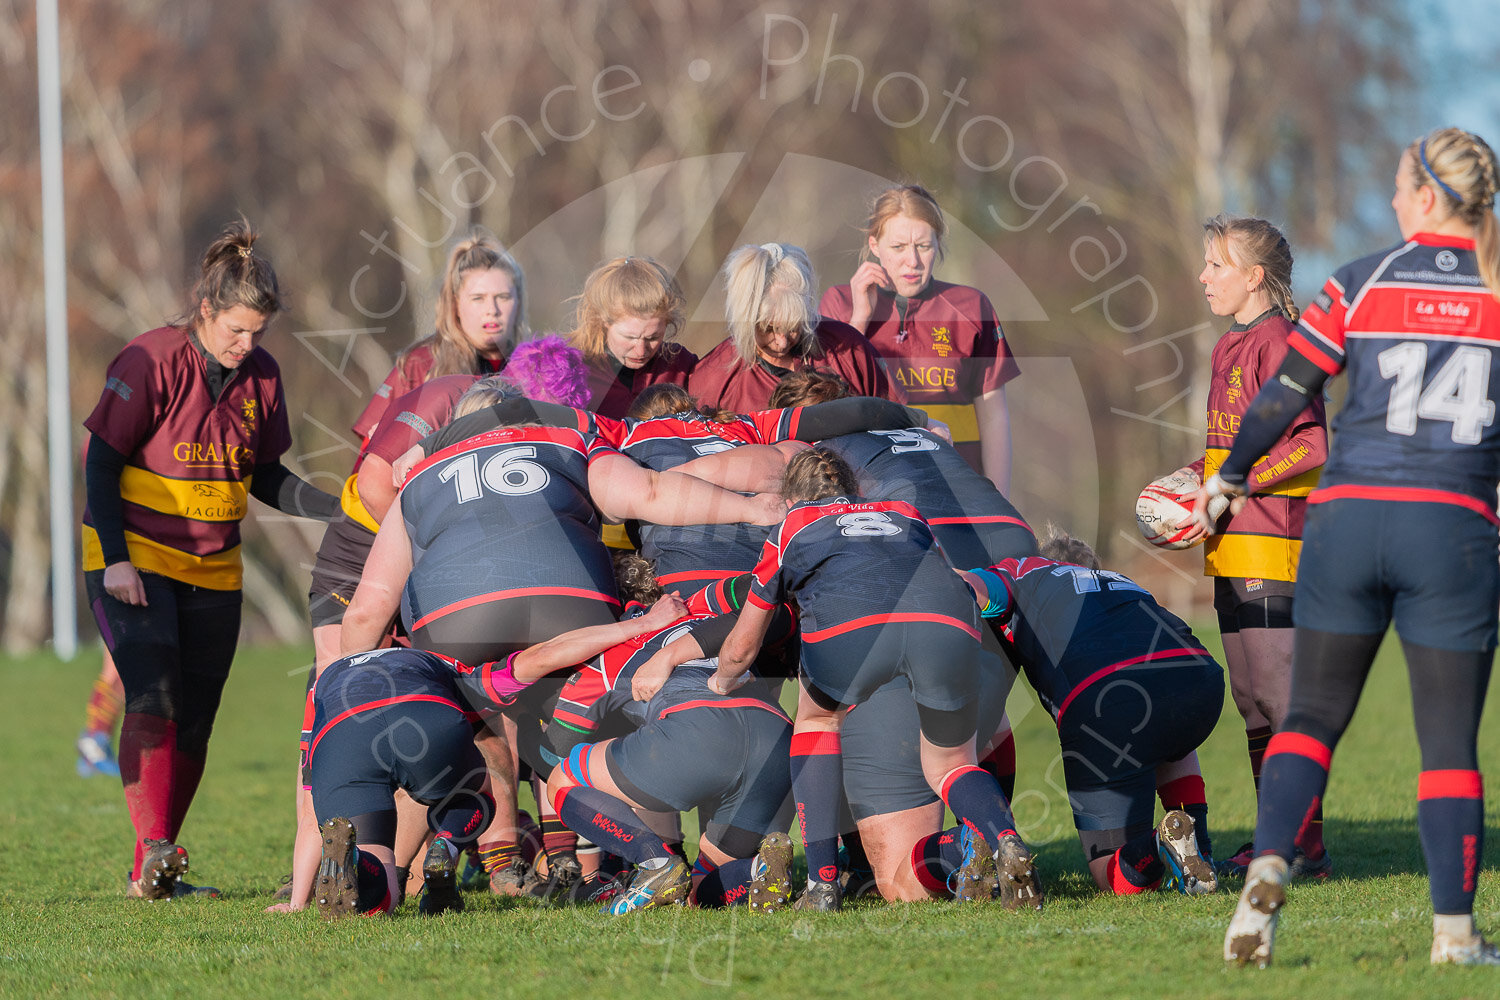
[1418,332]
[503,515]
[365,682]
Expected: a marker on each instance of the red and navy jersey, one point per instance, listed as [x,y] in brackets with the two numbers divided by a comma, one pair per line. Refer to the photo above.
[1067,627]
[920,468]
[504,515]
[851,563]
[369,681]
[1419,333]
[188,456]
[603,686]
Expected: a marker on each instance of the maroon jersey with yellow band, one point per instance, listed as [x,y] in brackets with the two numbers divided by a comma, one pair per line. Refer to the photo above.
[1263,541]
[188,456]
[944,348]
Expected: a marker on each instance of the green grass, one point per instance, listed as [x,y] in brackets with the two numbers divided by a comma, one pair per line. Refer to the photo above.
[66,930]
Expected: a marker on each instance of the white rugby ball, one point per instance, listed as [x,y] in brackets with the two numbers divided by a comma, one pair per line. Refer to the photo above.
[1165,502]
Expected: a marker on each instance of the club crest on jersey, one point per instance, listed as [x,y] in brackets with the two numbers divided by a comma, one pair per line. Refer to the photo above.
[942,341]
[1236,384]
[1446,260]
[247,415]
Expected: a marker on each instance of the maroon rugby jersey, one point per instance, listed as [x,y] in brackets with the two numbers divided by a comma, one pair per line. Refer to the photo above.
[188,457]
[722,379]
[612,387]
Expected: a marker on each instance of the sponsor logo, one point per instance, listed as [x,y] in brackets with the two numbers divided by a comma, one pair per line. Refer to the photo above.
[828,873]
[942,342]
[1447,312]
[1253,584]
[213,455]
[1446,260]
[217,505]
[928,377]
[612,828]
[119,388]
[1323,302]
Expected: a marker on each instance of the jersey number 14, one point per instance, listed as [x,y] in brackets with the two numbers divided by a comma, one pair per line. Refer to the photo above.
[1458,393]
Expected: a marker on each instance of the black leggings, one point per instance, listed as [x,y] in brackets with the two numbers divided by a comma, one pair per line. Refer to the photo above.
[1447,688]
[174,653]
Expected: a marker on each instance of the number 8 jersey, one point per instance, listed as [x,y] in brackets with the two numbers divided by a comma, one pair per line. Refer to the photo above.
[1418,332]
[503,515]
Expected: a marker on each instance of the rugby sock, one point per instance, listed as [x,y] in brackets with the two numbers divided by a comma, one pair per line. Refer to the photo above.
[854,851]
[497,855]
[1135,867]
[726,885]
[461,818]
[1310,840]
[187,773]
[1001,762]
[608,822]
[147,745]
[104,708]
[528,836]
[818,786]
[1187,793]
[1296,773]
[557,838]
[935,858]
[975,798]
[374,890]
[1450,817]
[1256,741]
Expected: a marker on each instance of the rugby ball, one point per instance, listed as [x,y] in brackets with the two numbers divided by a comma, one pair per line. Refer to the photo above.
[1166,501]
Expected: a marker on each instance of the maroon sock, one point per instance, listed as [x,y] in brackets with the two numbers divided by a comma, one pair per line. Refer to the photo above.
[1256,741]
[189,772]
[148,744]
[1001,763]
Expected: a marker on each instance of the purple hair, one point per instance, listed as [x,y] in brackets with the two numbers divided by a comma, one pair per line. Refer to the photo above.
[549,369]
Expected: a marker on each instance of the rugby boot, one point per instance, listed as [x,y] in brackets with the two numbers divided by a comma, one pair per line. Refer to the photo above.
[667,881]
[1020,883]
[1473,950]
[563,870]
[1252,930]
[96,756]
[771,874]
[162,867]
[337,887]
[823,897]
[1234,866]
[976,879]
[440,880]
[511,879]
[1304,868]
[1177,847]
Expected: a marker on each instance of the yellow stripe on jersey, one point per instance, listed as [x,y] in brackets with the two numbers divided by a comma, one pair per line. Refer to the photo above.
[219,571]
[198,499]
[960,418]
[1299,485]
[1253,556]
[615,537]
[354,507]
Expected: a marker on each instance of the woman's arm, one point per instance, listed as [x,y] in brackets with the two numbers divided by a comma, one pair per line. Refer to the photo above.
[750,468]
[993,415]
[624,490]
[740,648]
[377,599]
[102,469]
[274,485]
[377,486]
[583,644]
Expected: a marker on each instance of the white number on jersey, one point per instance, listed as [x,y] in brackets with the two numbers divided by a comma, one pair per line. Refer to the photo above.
[867,523]
[712,447]
[1457,394]
[907,441]
[507,473]
[1091,581]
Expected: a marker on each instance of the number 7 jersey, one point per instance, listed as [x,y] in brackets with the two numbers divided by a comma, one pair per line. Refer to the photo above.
[1418,332]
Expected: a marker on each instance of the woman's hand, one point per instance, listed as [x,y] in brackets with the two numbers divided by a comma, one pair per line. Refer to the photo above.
[651,675]
[722,683]
[667,609]
[862,292]
[123,583]
[941,429]
[1211,490]
[404,463]
[770,509]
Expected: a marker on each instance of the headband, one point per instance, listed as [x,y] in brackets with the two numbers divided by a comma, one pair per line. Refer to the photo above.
[775,250]
[1422,152]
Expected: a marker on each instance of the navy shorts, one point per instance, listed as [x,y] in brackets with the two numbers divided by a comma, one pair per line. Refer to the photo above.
[1116,732]
[939,660]
[882,751]
[424,747]
[732,764]
[495,629]
[1430,567]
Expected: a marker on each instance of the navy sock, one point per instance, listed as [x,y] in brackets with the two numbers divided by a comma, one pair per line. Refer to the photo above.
[1450,816]
[975,798]
[608,822]
[727,885]
[818,785]
[935,858]
[1291,789]
[374,890]
[462,817]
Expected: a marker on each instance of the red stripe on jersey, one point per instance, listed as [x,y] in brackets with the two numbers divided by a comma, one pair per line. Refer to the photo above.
[673,428]
[1450,785]
[1297,342]
[501,595]
[1301,745]
[370,706]
[991,519]
[1184,652]
[563,437]
[1403,494]
[1017,568]
[560,714]
[697,574]
[776,425]
[819,635]
[732,703]
[815,743]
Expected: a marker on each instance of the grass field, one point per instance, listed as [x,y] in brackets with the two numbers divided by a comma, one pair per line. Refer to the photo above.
[66,930]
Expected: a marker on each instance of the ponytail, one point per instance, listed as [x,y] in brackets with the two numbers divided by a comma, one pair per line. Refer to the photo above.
[1460,167]
[816,474]
[232,274]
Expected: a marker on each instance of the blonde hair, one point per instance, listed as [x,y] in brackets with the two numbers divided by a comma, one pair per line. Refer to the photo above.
[1462,165]
[816,474]
[911,200]
[232,274]
[483,394]
[452,354]
[771,285]
[1059,546]
[626,286]
[1248,243]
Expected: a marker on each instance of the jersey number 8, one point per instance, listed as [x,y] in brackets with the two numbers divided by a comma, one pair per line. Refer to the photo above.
[867,523]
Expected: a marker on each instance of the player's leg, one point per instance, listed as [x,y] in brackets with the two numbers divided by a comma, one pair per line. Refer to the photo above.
[446,773]
[817,787]
[96,754]
[744,853]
